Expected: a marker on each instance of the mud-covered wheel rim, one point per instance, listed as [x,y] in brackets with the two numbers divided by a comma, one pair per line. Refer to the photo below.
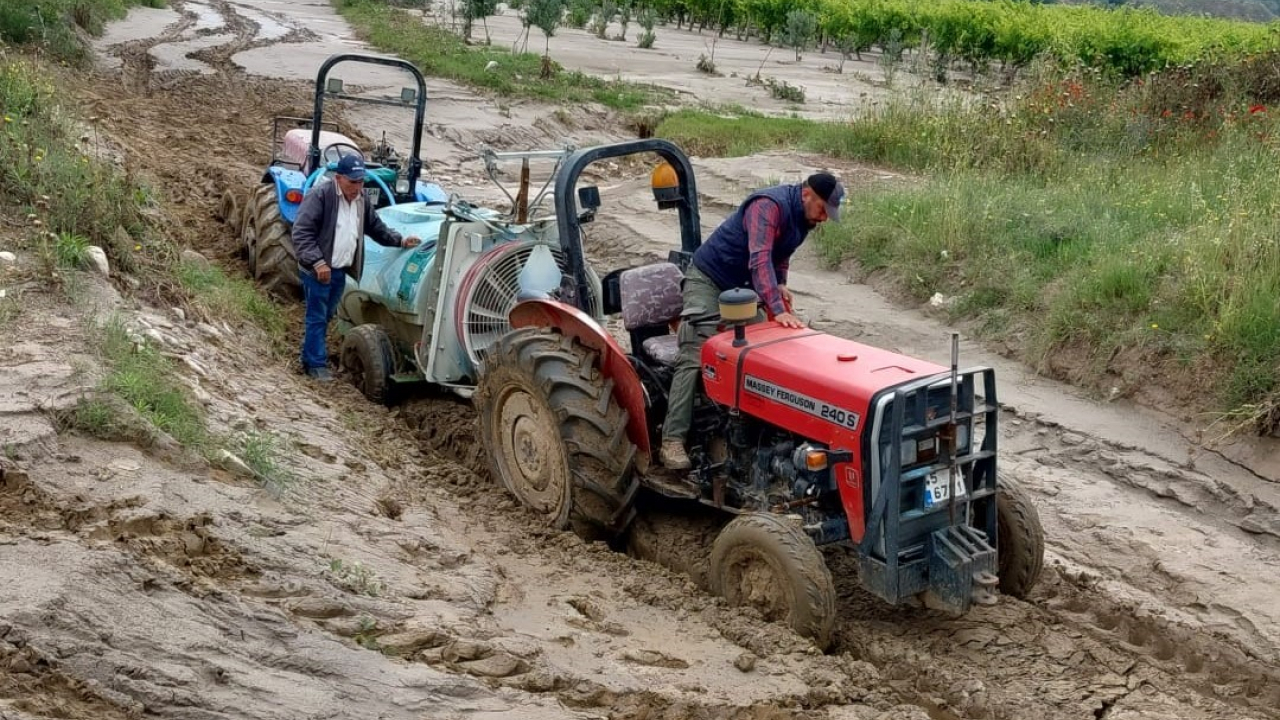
[768,562]
[750,579]
[249,241]
[531,455]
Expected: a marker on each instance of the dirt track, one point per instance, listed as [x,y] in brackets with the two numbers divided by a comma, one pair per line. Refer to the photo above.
[137,582]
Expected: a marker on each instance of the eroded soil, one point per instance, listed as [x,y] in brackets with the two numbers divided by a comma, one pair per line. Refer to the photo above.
[390,576]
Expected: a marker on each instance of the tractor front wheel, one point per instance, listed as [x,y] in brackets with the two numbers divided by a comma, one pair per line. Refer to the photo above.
[368,355]
[268,244]
[556,437]
[1020,540]
[768,562]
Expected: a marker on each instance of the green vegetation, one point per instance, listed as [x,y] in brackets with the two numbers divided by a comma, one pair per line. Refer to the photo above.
[261,451]
[54,24]
[439,52]
[50,177]
[67,198]
[217,294]
[71,199]
[147,382]
[1082,215]
[1128,40]
[355,577]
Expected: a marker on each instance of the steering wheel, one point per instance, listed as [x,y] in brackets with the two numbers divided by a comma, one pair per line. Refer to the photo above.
[337,151]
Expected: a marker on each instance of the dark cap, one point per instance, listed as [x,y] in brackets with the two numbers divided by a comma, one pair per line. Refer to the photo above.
[830,190]
[351,167]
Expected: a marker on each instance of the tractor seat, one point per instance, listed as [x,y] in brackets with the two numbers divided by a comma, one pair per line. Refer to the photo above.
[664,349]
[651,298]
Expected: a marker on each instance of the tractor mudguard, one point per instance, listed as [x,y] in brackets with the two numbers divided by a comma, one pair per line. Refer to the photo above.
[614,363]
[286,180]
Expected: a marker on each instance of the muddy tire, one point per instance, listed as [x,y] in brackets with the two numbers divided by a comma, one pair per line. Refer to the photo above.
[1020,540]
[368,355]
[768,562]
[555,435]
[268,245]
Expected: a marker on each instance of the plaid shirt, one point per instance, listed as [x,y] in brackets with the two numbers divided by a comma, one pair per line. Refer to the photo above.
[762,220]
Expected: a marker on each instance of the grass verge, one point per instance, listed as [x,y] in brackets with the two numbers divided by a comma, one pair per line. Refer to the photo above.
[71,199]
[217,294]
[147,383]
[55,25]
[441,53]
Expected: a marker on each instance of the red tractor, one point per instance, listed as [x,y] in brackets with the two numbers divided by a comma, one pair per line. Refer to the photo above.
[803,438]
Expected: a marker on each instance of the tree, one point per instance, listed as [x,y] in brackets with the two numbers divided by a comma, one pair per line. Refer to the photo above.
[604,16]
[648,18]
[545,15]
[624,18]
[473,10]
[799,30]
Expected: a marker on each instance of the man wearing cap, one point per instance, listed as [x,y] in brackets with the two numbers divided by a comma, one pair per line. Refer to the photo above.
[751,248]
[329,239]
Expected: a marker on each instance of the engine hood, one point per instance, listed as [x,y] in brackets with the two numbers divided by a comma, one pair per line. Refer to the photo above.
[810,382]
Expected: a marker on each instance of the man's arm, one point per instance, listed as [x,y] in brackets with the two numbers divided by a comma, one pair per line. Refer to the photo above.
[306,228]
[763,220]
[378,230]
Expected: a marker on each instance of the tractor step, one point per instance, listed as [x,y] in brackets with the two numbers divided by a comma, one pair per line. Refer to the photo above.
[672,485]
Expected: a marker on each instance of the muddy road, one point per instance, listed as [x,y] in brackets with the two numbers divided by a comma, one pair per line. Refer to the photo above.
[391,577]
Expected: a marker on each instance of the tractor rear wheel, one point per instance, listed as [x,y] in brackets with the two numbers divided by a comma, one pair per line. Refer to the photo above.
[556,437]
[368,355]
[768,562]
[268,244]
[1019,541]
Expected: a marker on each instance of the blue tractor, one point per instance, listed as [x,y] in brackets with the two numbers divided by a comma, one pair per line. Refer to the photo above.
[304,152]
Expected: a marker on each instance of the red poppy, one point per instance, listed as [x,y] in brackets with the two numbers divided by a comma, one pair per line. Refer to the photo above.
[1255,109]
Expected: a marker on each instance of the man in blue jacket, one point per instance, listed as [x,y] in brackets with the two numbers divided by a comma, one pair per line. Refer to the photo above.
[328,237]
[751,248]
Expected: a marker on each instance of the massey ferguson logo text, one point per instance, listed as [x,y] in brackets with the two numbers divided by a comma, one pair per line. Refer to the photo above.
[803,403]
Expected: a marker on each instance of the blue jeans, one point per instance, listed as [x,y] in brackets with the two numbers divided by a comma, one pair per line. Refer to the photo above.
[322,304]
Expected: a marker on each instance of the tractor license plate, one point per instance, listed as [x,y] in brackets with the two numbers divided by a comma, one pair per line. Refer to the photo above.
[936,489]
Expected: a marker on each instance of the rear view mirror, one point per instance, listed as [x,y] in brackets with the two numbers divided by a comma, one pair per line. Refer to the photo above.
[589,199]
[333,85]
[408,95]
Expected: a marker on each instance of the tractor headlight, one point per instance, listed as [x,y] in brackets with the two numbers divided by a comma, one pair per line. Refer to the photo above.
[402,186]
[962,437]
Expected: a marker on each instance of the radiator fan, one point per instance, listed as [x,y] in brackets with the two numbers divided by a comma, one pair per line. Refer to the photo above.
[488,292]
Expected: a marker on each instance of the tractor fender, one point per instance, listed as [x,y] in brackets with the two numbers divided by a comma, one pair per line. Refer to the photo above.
[614,363]
[286,180]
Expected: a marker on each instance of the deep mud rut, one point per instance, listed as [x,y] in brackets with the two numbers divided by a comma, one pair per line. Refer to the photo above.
[393,578]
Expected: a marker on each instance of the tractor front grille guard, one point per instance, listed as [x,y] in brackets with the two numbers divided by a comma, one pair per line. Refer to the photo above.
[932,525]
